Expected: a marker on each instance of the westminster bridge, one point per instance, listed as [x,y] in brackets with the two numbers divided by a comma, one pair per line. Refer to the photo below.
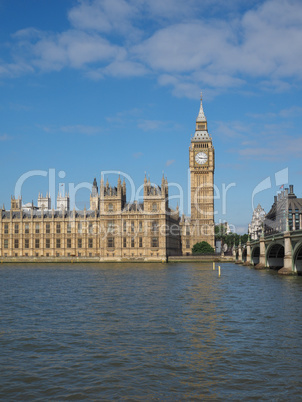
[281,251]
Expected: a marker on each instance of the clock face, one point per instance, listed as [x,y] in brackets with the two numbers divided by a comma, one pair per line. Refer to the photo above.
[201,158]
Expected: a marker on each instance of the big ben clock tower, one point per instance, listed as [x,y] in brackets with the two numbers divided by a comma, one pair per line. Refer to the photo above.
[202,164]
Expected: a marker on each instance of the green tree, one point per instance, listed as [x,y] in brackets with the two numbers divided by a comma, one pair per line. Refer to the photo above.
[202,248]
[229,239]
[244,238]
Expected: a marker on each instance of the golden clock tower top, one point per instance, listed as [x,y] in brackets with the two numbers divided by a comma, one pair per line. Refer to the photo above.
[201,129]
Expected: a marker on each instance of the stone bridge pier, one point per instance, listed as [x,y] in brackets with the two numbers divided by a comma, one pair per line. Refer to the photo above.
[282,252]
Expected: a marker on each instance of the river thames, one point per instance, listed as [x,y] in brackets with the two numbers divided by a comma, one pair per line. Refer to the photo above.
[149,332]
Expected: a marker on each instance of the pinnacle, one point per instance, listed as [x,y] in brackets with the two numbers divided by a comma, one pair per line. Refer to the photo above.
[201,115]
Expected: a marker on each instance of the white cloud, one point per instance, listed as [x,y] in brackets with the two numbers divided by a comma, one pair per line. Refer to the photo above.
[5,137]
[291,112]
[173,41]
[124,69]
[120,117]
[74,129]
[184,47]
[231,130]
[170,162]
[81,129]
[150,125]
[102,15]
[74,49]
[157,125]
[264,43]
[280,148]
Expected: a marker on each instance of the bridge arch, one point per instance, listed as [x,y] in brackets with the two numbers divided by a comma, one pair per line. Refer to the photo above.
[255,255]
[275,255]
[297,258]
[237,255]
[244,255]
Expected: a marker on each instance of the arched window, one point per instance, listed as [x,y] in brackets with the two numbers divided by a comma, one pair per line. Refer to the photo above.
[110,207]
[154,207]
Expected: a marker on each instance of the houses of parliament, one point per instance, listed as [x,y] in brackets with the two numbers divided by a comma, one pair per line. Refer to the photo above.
[112,229]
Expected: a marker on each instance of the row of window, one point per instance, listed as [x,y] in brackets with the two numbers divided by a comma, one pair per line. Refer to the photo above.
[37,228]
[38,244]
[110,243]
[140,242]
[133,243]
[111,207]
[111,226]
[154,226]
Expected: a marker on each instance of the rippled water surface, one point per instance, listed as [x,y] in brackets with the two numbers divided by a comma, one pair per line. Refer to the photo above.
[149,332]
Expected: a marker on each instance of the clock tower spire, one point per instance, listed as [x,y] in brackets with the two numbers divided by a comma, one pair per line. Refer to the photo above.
[202,164]
[201,116]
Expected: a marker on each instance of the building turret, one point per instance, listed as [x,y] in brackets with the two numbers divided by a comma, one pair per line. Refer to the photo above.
[112,199]
[44,202]
[95,191]
[102,188]
[155,199]
[145,185]
[124,193]
[16,203]
[94,196]
[63,202]
[256,225]
[163,186]
[119,185]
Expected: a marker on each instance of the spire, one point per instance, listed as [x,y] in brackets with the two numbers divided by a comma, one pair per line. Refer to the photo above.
[94,191]
[201,116]
[201,129]
[163,185]
[163,182]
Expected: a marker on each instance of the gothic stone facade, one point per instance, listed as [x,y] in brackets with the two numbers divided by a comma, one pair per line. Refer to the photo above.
[256,225]
[112,229]
[285,213]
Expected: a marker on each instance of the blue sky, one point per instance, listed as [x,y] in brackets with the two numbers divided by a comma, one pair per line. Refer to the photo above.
[91,86]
